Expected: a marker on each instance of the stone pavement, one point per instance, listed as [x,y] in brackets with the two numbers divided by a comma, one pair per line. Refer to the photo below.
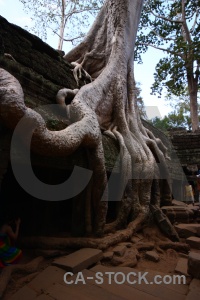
[97,282]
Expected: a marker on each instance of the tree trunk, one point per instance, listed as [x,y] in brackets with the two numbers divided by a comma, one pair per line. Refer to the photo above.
[108,105]
[62,25]
[193,90]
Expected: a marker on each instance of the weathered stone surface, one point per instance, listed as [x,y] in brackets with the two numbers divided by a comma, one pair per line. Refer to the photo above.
[152,255]
[194,290]
[87,291]
[31,52]
[79,260]
[187,230]
[194,284]
[194,242]
[108,255]
[193,295]
[129,259]
[103,269]
[178,203]
[43,297]
[46,278]
[119,250]
[178,213]
[24,293]
[181,287]
[157,291]
[136,238]
[182,266]
[126,244]
[187,147]
[123,291]
[194,265]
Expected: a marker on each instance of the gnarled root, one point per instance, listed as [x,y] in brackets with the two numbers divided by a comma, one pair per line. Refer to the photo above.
[163,223]
[77,243]
[77,72]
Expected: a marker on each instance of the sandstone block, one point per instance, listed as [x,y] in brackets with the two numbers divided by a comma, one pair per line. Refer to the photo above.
[119,250]
[187,230]
[194,265]
[182,266]
[194,242]
[79,260]
[108,255]
[152,255]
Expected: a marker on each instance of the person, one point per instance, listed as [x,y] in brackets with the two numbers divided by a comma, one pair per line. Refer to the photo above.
[189,194]
[9,254]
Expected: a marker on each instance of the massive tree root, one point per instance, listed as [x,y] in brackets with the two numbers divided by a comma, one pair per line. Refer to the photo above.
[105,105]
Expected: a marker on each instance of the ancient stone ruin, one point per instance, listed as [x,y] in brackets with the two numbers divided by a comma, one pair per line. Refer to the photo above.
[60,226]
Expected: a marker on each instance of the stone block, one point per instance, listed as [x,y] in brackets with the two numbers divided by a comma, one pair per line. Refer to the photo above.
[193,295]
[178,203]
[126,244]
[194,284]
[119,250]
[161,291]
[178,213]
[129,259]
[108,255]
[24,293]
[187,230]
[114,287]
[194,242]
[42,297]
[80,291]
[46,278]
[182,266]
[178,287]
[152,255]
[194,265]
[79,260]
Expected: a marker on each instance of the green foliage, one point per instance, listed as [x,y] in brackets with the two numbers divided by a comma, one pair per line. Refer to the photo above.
[140,102]
[174,27]
[161,124]
[74,15]
[172,120]
[179,117]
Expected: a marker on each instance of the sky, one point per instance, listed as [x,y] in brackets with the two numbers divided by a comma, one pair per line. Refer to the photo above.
[12,10]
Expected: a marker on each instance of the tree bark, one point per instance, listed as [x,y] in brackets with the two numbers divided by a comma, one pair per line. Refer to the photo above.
[193,91]
[62,25]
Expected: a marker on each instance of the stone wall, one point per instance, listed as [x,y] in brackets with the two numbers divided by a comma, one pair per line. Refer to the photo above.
[187,147]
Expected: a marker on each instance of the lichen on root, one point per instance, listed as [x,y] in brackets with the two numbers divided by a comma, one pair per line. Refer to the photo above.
[106,104]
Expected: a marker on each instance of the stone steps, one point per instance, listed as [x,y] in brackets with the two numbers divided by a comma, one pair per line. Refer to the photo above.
[187,230]
[194,242]
[150,289]
[89,280]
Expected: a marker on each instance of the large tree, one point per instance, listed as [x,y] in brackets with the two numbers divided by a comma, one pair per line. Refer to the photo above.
[174,28]
[61,16]
[107,104]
